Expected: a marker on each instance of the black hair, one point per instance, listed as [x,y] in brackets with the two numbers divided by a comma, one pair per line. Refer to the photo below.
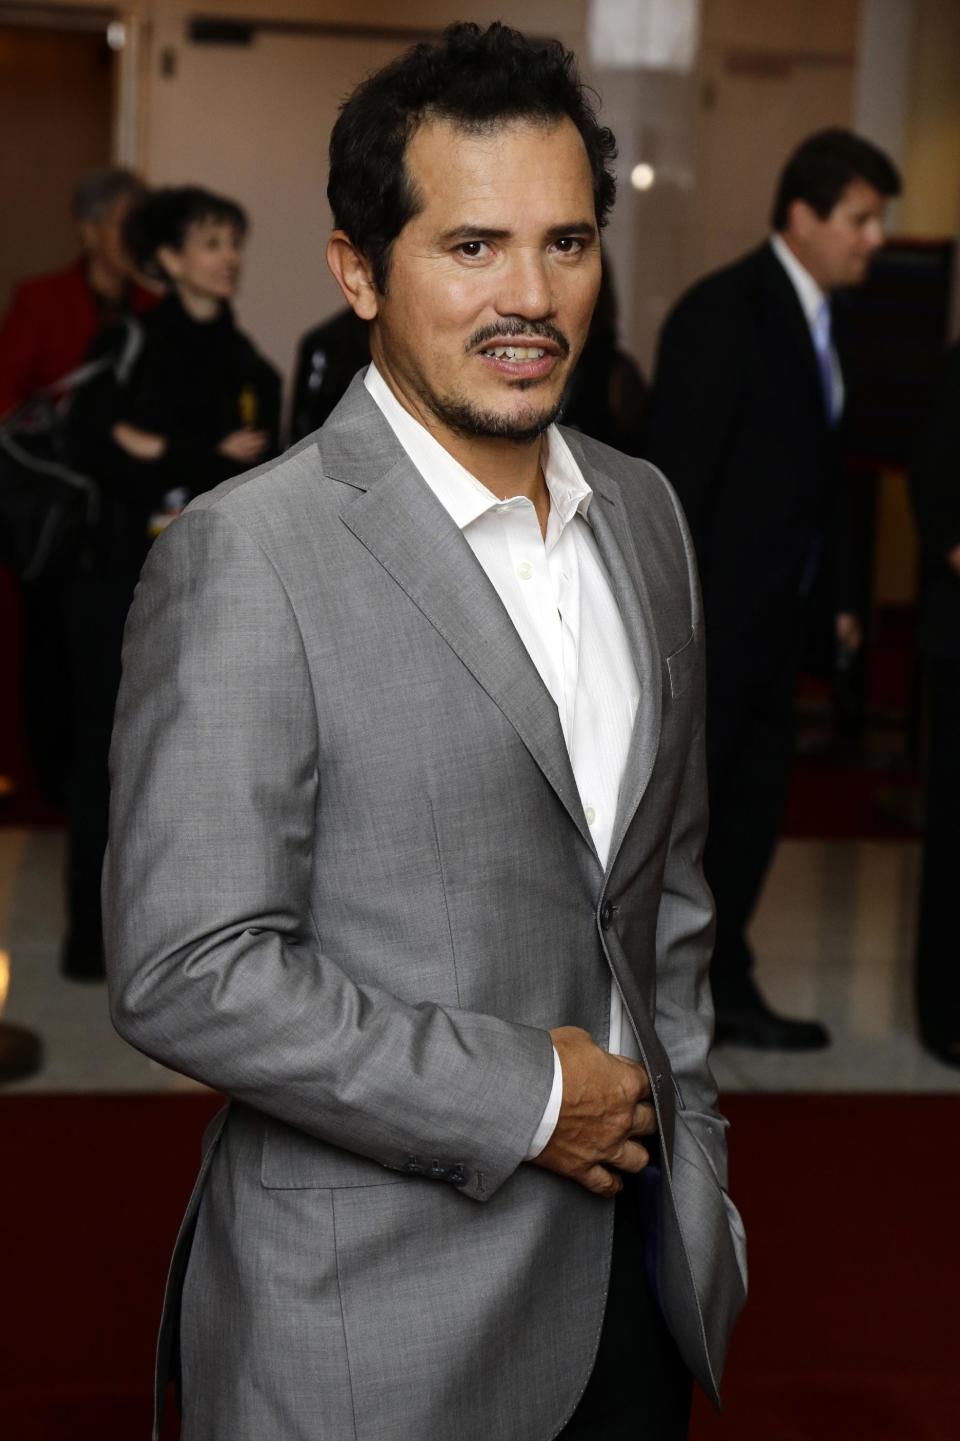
[820,170]
[97,191]
[165,216]
[473,78]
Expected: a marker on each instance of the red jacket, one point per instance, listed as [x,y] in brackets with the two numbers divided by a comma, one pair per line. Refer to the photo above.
[48,328]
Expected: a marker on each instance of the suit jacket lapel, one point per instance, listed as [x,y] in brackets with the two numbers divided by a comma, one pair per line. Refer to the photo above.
[403,525]
[615,542]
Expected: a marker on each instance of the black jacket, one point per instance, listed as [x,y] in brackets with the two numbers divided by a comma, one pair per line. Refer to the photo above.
[737,423]
[935,482]
[193,384]
[328,357]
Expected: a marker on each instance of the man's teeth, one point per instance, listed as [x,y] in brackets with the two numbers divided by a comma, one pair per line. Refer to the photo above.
[516,352]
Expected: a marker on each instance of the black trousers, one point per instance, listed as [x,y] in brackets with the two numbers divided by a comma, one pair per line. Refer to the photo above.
[938,967]
[96,608]
[751,725]
[640,1389]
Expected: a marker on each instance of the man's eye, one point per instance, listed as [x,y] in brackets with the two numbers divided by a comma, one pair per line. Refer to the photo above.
[569,244]
[472,249]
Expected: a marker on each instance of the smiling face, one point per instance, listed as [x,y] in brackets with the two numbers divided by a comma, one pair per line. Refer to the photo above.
[492,283]
[207,266]
[836,250]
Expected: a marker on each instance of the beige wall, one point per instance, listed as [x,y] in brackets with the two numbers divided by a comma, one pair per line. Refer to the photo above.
[931,202]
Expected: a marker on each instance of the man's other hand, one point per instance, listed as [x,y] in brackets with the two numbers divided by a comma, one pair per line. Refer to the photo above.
[606,1105]
[849,631]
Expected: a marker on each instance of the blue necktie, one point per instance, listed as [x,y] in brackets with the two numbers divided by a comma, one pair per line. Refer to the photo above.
[821,344]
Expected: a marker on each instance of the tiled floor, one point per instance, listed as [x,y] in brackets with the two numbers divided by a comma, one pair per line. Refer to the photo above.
[834,935]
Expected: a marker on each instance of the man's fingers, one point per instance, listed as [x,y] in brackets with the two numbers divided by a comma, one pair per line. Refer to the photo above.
[644,1120]
[639,1081]
[600,1181]
[631,1156]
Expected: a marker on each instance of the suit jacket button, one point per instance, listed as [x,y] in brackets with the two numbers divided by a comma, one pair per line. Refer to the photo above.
[606,916]
[456,1176]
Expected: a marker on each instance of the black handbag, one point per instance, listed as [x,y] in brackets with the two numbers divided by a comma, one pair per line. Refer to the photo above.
[46,504]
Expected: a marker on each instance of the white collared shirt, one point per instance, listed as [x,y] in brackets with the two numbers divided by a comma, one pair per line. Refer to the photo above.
[556,592]
[812,300]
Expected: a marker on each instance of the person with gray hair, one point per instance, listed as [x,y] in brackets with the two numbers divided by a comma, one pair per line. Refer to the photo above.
[52,319]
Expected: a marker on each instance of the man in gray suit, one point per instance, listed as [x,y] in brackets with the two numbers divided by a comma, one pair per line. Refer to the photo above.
[407,822]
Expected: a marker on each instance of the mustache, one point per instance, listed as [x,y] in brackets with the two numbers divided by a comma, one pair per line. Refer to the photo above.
[513,325]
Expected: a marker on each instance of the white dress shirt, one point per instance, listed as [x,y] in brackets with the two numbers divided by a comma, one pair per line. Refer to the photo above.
[814,303]
[556,592]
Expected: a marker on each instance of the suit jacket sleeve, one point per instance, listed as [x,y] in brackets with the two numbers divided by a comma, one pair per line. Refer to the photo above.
[685,925]
[214,958]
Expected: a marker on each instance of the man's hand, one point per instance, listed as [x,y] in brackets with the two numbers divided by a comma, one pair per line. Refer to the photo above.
[606,1104]
[849,630]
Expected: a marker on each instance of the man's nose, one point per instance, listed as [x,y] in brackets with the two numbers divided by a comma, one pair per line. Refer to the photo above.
[525,288]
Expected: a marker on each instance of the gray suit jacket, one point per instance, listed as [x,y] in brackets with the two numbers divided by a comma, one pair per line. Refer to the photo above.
[351,885]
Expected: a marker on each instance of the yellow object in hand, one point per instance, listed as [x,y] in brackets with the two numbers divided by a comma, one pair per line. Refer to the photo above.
[248,406]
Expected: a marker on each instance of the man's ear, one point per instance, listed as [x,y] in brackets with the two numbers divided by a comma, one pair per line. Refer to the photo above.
[353,274]
[802,220]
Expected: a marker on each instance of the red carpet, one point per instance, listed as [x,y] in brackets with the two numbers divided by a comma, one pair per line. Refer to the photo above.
[850,802]
[851,1203]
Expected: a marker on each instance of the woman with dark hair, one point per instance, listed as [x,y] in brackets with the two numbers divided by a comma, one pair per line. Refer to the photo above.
[189,402]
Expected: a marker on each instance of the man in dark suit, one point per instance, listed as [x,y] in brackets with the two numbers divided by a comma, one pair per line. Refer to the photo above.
[328,357]
[745,414]
[936,494]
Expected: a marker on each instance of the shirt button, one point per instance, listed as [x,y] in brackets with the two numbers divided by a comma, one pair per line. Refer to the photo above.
[524,570]
[591,815]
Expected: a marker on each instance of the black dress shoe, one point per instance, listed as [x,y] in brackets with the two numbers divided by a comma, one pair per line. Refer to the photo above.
[750,1022]
[947,1051]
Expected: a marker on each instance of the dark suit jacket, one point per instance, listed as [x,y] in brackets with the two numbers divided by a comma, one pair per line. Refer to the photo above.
[328,357]
[935,481]
[737,421]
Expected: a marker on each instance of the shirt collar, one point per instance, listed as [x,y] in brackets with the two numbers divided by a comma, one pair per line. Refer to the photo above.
[464,497]
[809,294]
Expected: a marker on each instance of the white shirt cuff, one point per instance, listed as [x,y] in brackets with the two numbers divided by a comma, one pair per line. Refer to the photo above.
[548,1122]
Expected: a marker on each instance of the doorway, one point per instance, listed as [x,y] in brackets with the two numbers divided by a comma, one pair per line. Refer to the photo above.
[56,117]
